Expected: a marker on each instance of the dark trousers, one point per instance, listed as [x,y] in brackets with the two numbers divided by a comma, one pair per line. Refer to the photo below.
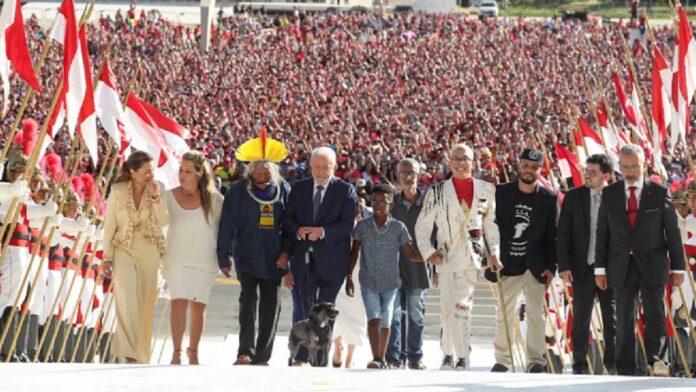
[105,348]
[653,314]
[311,289]
[11,324]
[258,295]
[584,291]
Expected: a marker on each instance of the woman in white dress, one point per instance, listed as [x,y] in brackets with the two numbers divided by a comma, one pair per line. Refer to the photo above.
[190,261]
[350,326]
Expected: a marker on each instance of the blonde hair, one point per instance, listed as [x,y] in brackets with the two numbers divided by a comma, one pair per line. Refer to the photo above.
[206,185]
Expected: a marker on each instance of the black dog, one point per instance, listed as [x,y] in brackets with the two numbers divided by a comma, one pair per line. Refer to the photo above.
[314,333]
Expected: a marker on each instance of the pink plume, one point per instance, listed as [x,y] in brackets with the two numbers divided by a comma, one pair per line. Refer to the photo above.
[28,136]
[88,185]
[53,165]
[79,187]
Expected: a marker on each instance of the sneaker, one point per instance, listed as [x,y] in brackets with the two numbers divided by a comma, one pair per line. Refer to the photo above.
[375,364]
[447,363]
[536,368]
[498,368]
[461,364]
[418,365]
[659,369]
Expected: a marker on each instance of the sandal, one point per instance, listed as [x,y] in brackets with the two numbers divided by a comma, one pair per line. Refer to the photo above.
[192,355]
[176,357]
[338,353]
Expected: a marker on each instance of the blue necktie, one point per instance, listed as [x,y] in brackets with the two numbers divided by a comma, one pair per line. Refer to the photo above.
[316,202]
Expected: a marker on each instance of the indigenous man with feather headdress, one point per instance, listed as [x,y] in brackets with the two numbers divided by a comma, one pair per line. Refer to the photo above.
[251,233]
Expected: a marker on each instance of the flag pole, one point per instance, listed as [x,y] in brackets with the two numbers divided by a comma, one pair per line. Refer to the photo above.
[96,333]
[43,260]
[677,339]
[15,206]
[503,310]
[25,102]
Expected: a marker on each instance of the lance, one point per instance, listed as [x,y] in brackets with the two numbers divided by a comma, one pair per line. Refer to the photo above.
[677,339]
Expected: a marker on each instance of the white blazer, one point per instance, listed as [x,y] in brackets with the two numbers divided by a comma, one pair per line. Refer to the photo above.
[441,209]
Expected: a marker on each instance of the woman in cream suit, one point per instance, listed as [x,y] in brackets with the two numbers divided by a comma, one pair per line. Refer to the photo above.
[133,245]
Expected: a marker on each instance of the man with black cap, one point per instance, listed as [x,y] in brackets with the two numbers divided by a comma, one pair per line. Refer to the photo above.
[526,215]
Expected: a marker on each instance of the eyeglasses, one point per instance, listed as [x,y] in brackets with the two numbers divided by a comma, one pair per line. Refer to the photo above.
[408,174]
[381,203]
[460,159]
[591,172]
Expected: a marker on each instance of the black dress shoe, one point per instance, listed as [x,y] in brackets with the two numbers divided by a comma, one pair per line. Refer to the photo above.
[536,368]
[498,368]
[580,368]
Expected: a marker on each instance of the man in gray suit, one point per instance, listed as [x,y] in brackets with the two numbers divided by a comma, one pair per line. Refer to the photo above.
[636,230]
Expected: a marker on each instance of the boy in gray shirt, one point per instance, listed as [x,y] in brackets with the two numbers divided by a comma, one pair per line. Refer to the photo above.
[380,238]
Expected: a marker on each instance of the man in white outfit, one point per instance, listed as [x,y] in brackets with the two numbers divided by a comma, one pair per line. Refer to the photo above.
[463,211]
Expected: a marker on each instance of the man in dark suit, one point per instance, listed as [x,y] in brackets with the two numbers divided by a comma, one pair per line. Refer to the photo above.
[320,218]
[526,215]
[636,230]
[576,255]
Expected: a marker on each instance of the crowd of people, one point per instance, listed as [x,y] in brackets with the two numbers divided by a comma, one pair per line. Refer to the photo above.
[395,130]
[376,88]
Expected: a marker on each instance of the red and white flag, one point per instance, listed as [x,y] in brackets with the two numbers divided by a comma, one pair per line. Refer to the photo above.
[611,138]
[110,110]
[146,136]
[660,109]
[153,132]
[14,49]
[593,142]
[87,118]
[568,164]
[631,107]
[684,78]
[65,31]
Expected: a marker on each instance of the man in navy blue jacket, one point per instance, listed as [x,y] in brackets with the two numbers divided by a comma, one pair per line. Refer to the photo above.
[319,219]
[251,232]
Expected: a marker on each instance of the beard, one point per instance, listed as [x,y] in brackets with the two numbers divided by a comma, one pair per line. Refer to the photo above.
[527,180]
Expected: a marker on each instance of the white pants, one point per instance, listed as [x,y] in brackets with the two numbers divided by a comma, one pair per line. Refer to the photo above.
[12,270]
[40,267]
[456,303]
[51,294]
[534,307]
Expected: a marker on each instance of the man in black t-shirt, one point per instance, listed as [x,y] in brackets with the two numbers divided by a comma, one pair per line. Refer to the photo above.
[526,215]
[518,245]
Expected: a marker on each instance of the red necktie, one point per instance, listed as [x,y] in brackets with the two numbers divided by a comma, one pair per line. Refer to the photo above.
[632,209]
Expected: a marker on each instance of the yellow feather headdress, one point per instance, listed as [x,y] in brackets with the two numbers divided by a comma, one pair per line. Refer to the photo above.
[262,147]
